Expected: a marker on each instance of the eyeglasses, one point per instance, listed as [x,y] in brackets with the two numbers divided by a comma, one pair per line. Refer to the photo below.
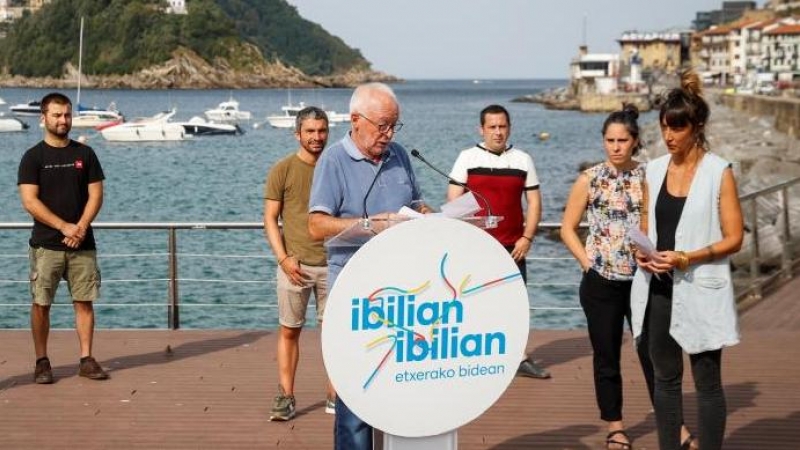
[384,128]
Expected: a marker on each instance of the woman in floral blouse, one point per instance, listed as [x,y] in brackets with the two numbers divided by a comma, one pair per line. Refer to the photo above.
[612,194]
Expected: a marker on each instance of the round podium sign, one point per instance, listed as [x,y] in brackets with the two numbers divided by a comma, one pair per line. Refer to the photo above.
[425,327]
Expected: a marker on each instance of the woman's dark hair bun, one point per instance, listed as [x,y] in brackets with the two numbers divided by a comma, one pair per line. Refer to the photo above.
[631,110]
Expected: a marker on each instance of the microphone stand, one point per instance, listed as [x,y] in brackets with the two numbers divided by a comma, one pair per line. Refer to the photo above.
[491,220]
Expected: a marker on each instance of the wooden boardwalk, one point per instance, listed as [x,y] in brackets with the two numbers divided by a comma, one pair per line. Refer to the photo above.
[213,390]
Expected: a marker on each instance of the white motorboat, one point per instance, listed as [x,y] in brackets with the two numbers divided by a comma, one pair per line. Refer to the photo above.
[334,117]
[227,112]
[144,132]
[197,126]
[32,108]
[10,124]
[95,117]
[159,117]
[2,102]
[288,118]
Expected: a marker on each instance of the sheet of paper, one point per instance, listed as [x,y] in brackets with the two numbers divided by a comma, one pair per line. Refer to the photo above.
[642,242]
[408,212]
[462,206]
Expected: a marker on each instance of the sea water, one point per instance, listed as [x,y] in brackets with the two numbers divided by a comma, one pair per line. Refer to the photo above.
[226,278]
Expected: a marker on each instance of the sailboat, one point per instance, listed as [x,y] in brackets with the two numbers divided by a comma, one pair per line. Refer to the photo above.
[91,117]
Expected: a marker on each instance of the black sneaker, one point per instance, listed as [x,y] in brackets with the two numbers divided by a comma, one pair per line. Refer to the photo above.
[91,370]
[43,374]
[528,369]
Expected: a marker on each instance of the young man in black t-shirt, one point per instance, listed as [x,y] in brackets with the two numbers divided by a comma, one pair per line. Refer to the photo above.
[61,186]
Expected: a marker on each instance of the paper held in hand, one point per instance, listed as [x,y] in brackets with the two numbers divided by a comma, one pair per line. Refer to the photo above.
[643,243]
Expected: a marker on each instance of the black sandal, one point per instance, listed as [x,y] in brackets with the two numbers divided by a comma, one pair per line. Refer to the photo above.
[611,441]
[687,444]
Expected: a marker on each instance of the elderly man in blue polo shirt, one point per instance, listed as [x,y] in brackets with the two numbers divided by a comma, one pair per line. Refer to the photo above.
[365,175]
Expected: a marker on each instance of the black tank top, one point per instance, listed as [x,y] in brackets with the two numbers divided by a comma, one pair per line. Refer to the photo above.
[668,213]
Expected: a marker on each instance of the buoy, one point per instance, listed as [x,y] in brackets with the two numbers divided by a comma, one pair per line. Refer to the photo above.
[544,135]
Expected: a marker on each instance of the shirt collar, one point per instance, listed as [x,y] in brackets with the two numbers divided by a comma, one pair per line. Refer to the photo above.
[483,147]
[355,153]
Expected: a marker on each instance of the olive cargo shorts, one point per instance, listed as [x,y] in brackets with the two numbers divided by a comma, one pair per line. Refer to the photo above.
[78,267]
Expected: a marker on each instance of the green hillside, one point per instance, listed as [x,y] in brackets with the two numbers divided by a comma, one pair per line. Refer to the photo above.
[125,36]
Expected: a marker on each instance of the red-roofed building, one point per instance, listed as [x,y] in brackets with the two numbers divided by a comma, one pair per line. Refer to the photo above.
[713,50]
[781,45]
[749,51]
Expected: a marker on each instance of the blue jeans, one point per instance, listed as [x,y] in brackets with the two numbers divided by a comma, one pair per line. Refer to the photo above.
[349,431]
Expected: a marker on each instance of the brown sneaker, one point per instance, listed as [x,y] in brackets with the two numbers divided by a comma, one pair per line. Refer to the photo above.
[91,370]
[43,374]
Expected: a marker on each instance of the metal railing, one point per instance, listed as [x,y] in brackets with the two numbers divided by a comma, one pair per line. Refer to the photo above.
[769,221]
[760,215]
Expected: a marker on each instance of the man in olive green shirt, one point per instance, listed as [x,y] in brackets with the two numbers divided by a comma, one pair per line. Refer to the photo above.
[301,260]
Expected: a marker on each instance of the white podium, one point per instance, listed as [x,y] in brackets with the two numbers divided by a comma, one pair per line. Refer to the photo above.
[424,328]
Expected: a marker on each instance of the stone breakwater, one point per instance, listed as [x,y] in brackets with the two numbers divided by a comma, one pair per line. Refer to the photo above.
[762,156]
[563,99]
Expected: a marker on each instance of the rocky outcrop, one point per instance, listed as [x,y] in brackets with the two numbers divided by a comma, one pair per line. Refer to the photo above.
[187,70]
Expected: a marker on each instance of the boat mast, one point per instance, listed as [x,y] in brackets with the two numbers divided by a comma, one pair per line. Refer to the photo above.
[80,64]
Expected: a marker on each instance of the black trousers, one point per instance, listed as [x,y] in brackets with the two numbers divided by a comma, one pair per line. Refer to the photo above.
[667,357]
[522,265]
[607,303]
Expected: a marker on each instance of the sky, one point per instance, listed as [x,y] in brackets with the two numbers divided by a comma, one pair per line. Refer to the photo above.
[490,39]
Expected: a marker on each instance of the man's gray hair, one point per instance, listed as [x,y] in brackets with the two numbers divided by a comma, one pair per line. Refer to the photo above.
[361,98]
[309,112]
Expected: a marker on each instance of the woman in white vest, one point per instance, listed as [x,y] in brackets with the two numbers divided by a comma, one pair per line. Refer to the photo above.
[682,299]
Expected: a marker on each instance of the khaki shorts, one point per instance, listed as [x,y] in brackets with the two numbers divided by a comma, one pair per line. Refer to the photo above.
[78,267]
[293,300]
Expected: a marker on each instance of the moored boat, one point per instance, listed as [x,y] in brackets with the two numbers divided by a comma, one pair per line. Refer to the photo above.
[11,124]
[32,108]
[289,116]
[197,126]
[287,119]
[144,132]
[227,111]
[96,117]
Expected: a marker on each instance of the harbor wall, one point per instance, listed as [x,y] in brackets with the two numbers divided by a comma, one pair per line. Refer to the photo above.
[785,111]
[594,102]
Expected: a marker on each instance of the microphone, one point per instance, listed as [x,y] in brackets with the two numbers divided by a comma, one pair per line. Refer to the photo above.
[365,216]
[491,223]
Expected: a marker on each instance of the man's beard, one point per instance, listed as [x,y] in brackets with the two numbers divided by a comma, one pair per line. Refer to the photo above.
[60,134]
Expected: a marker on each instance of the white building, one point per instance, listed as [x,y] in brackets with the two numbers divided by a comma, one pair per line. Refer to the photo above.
[9,13]
[176,7]
[595,72]
[782,50]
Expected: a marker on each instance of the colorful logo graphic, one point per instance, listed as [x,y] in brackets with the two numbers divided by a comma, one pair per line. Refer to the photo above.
[397,311]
